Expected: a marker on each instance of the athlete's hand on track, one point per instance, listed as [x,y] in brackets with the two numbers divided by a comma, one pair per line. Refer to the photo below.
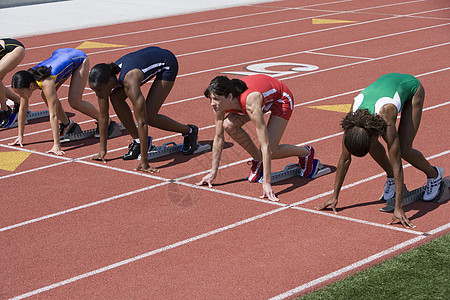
[208,179]
[268,192]
[146,168]
[332,202]
[18,141]
[400,216]
[100,156]
[56,150]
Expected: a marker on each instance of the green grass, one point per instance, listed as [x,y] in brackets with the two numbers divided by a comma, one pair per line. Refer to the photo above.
[421,273]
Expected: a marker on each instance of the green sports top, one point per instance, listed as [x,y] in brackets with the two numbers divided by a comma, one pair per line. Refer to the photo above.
[391,88]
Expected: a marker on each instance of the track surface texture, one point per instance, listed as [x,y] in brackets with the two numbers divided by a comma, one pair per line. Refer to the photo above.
[76,228]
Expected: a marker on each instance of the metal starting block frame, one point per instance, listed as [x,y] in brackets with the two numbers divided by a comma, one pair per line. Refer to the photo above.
[170,148]
[417,194]
[80,135]
[293,170]
[31,115]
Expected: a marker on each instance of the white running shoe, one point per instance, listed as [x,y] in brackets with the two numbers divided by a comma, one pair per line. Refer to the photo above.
[433,185]
[389,189]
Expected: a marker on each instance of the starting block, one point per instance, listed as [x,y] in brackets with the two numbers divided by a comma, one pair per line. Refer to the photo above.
[79,134]
[171,148]
[293,170]
[31,115]
[417,194]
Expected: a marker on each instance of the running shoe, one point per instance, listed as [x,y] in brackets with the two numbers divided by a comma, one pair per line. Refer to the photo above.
[256,170]
[190,140]
[16,107]
[433,185]
[306,163]
[2,114]
[13,119]
[14,115]
[64,130]
[134,149]
[5,117]
[389,188]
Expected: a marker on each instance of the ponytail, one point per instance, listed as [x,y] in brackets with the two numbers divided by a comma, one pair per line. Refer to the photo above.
[40,73]
[223,86]
[101,73]
[23,79]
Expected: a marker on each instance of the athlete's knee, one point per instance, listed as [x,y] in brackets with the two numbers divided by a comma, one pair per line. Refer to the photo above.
[153,120]
[406,153]
[74,103]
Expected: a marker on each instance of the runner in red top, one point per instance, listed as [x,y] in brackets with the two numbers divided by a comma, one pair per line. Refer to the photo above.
[248,100]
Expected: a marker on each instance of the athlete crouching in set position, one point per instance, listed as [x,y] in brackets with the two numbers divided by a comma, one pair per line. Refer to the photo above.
[11,54]
[248,100]
[48,76]
[122,80]
[374,113]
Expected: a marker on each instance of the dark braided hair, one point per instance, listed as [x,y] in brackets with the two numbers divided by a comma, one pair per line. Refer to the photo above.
[359,128]
[23,79]
[101,73]
[223,86]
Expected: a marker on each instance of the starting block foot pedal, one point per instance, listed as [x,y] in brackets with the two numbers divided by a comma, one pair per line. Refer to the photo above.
[417,194]
[170,148]
[78,134]
[293,170]
[116,130]
[31,115]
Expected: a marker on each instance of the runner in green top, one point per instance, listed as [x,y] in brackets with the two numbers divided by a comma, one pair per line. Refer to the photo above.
[374,113]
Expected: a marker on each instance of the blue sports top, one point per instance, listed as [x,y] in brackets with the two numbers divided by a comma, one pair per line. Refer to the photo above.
[62,62]
[150,60]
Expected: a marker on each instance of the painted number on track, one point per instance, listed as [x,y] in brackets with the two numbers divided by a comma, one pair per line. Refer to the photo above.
[263,68]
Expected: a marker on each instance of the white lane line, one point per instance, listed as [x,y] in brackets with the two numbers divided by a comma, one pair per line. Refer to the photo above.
[273,11]
[306,74]
[180,178]
[337,55]
[369,223]
[34,170]
[63,212]
[311,51]
[359,264]
[148,254]
[252,27]
[366,61]
[245,221]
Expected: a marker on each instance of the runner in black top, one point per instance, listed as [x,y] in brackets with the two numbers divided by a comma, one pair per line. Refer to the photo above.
[122,80]
[11,54]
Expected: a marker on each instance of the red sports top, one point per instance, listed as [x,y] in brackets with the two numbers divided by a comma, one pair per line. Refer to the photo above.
[275,93]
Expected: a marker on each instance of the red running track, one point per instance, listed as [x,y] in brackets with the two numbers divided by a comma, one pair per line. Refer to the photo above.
[75,228]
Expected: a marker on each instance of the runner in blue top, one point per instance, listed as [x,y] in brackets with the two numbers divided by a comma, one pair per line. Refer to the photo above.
[11,54]
[48,76]
[374,113]
[123,79]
